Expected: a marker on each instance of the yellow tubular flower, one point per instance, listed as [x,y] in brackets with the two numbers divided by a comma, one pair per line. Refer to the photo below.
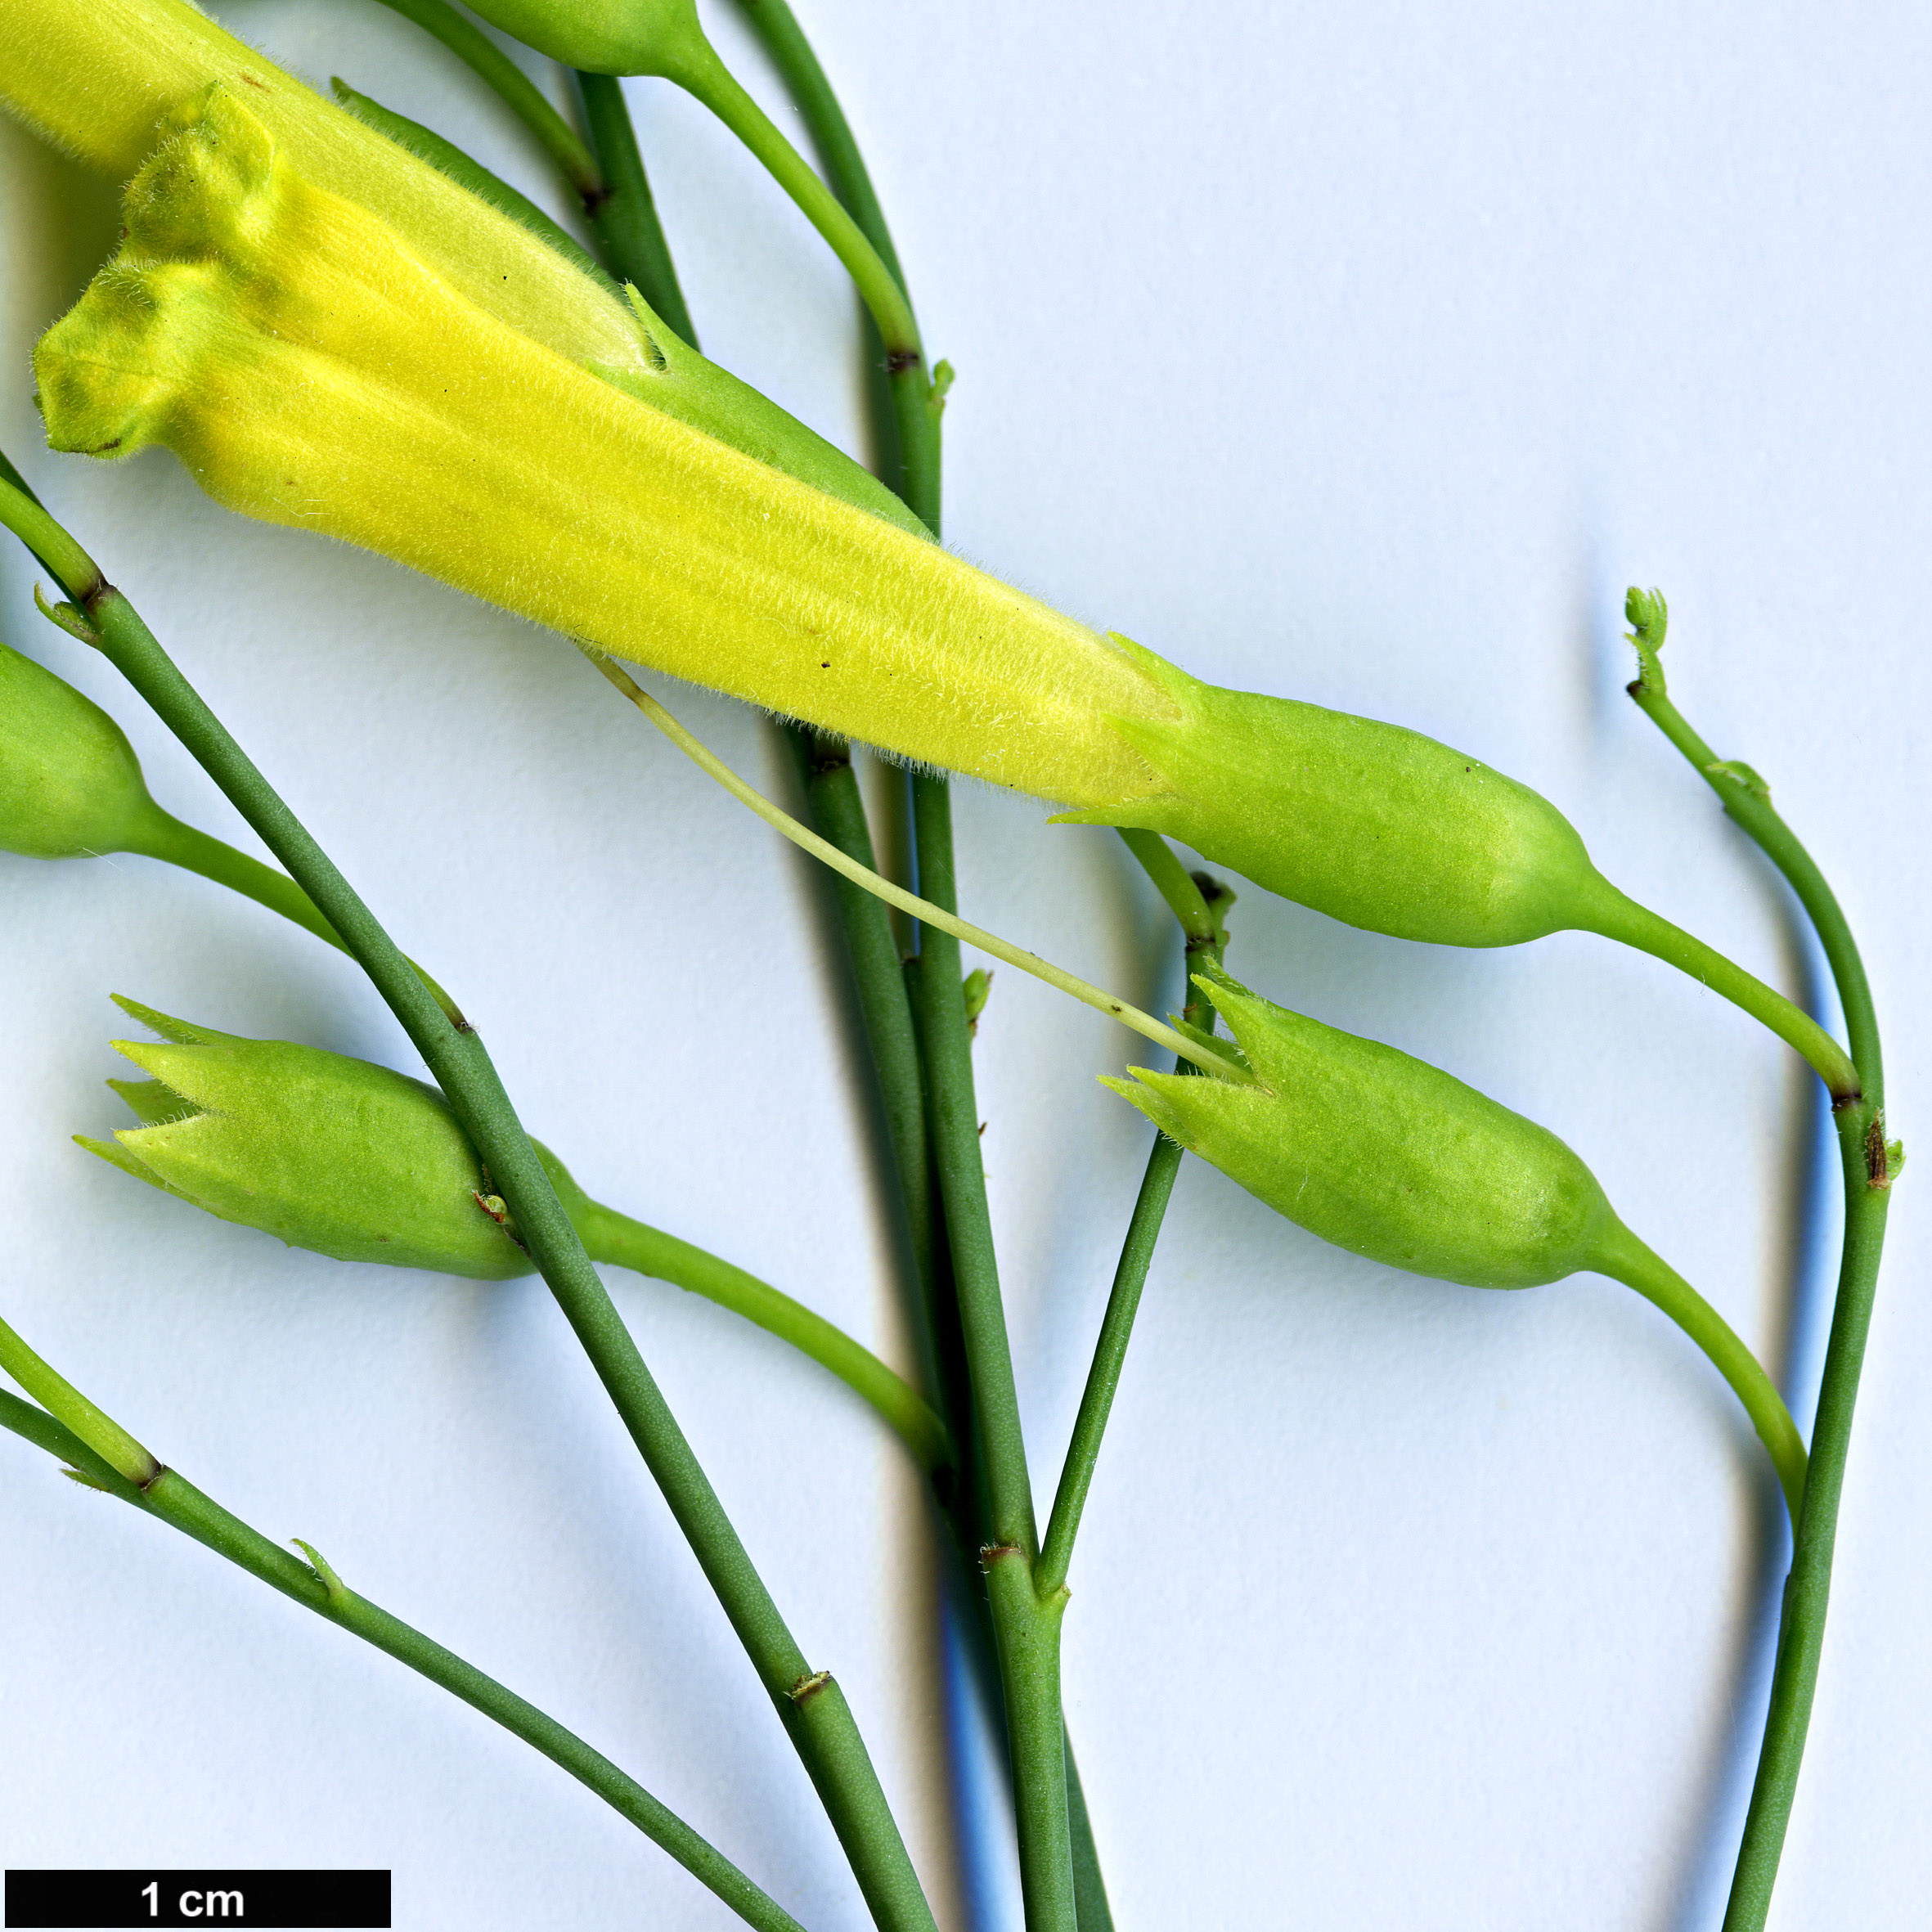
[96,77]
[300,359]
[330,334]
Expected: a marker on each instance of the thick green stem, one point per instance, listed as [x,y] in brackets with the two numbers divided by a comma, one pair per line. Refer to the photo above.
[1807,1588]
[1026,1631]
[625,215]
[809,1704]
[1025,1626]
[176,1502]
[1868,1163]
[616,1239]
[1631,1262]
[837,815]
[520,93]
[954,1124]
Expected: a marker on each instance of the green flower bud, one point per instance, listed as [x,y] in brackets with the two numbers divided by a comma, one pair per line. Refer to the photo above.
[365,1165]
[1384,1155]
[322,1151]
[1393,1159]
[70,786]
[603,36]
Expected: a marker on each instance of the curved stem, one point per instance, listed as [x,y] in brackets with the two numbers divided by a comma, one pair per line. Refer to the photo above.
[708,80]
[177,1503]
[1628,1259]
[1173,882]
[176,843]
[809,1704]
[1807,1588]
[627,1243]
[924,910]
[1621,918]
[518,92]
[1747,800]
[1867,1163]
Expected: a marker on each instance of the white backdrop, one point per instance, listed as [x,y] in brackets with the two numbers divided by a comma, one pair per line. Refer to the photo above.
[1363,354]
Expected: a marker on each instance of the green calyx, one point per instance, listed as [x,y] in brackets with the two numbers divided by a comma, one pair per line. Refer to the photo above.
[660,37]
[1381,1154]
[1370,822]
[323,1152]
[1393,1159]
[70,786]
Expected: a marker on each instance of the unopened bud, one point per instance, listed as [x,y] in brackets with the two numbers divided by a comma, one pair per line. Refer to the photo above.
[70,786]
[323,1151]
[1385,1155]
[603,36]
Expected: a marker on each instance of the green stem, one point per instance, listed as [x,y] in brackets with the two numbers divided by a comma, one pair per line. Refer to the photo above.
[1176,885]
[626,1243]
[208,857]
[837,815]
[625,216]
[1617,917]
[167,838]
[917,400]
[1630,1261]
[177,1503]
[1026,1633]
[1204,936]
[520,93]
[706,78]
[953,1123]
[810,1705]
[106,1440]
[1110,1354]
[1807,1588]
[1025,1626]
[1867,1163]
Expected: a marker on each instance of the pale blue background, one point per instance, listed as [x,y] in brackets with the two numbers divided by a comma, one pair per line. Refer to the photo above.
[1360,353]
